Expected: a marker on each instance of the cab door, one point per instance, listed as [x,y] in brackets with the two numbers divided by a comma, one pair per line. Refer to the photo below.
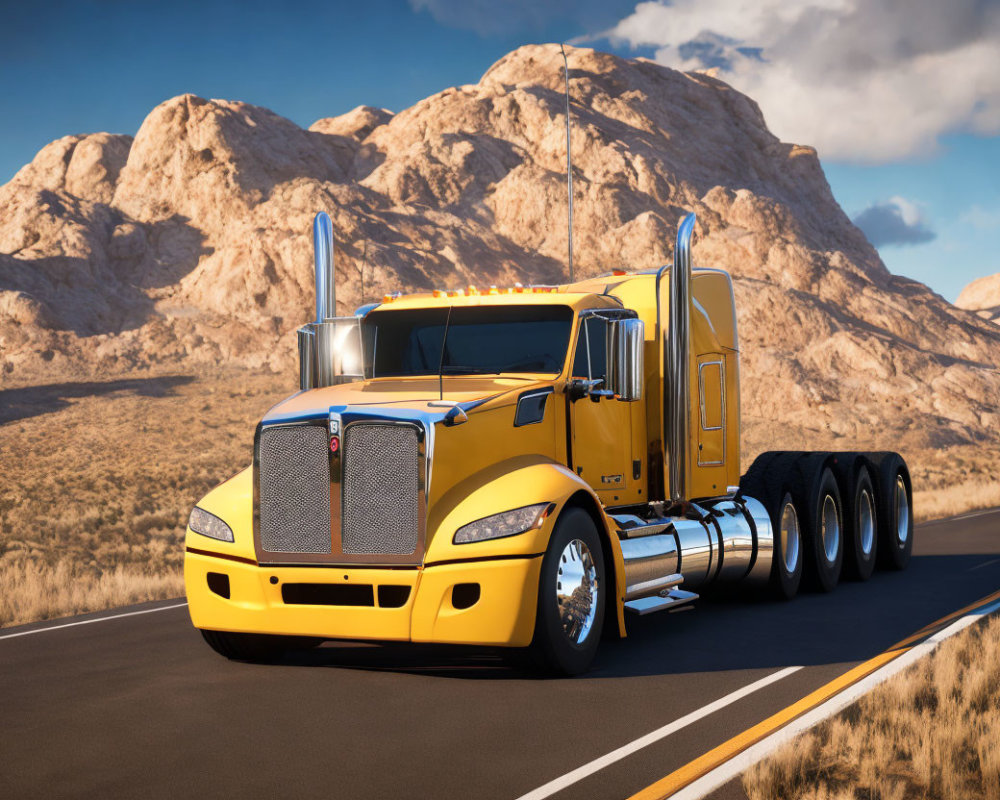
[601,426]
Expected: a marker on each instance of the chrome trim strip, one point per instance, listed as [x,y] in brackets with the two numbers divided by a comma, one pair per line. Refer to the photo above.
[701,388]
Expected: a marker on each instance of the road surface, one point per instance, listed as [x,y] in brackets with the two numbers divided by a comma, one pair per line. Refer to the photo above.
[136,703]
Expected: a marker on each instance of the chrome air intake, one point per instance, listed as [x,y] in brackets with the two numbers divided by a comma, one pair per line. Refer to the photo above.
[678,358]
[294,489]
[382,487]
[330,347]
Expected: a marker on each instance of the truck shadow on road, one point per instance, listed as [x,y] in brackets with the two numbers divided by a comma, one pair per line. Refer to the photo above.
[734,632]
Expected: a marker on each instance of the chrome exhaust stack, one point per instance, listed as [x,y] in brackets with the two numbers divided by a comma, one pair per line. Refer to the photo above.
[677,409]
[330,347]
[326,289]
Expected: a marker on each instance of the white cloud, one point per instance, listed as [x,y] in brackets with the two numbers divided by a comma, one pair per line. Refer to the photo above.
[982,218]
[862,80]
[895,222]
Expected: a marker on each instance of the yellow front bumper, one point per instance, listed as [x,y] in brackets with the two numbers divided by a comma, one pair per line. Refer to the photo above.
[259,602]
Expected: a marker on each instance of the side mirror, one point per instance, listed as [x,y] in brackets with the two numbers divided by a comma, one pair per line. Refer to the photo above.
[625,366]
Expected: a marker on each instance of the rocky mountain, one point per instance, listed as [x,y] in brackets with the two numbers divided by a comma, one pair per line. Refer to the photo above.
[983,297]
[191,243]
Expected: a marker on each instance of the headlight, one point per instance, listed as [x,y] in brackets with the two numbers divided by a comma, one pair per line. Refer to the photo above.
[209,525]
[508,523]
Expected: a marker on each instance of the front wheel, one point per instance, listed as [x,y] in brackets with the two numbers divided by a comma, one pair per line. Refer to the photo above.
[571,596]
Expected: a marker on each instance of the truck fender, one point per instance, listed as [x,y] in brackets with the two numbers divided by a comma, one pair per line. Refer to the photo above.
[513,484]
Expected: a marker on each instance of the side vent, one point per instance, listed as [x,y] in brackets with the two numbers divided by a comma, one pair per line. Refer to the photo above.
[531,407]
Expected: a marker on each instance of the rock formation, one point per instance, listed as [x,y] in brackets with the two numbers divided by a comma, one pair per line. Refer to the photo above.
[983,297]
[191,244]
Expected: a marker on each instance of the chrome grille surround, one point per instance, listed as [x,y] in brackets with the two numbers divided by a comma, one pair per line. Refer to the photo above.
[380,509]
[405,545]
[294,489]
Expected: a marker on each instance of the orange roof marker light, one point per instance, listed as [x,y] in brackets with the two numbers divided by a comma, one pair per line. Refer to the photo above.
[453,293]
[388,298]
[618,272]
[493,290]
[472,290]
[438,293]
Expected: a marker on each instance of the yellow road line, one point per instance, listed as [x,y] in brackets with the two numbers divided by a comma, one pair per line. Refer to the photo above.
[705,763]
[693,770]
[933,627]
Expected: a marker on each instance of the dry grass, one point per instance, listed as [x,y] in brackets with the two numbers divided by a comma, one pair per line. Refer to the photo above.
[931,732]
[957,499]
[36,590]
[98,482]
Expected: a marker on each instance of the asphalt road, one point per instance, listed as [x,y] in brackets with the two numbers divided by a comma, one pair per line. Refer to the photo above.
[139,704]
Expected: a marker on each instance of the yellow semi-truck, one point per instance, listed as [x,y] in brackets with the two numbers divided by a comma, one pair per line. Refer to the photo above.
[521,467]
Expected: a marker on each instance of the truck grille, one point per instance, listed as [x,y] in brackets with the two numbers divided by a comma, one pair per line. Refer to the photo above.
[294,489]
[381,490]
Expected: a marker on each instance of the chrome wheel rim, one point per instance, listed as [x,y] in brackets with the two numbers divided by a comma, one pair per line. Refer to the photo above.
[902,511]
[577,591]
[789,537]
[830,528]
[866,523]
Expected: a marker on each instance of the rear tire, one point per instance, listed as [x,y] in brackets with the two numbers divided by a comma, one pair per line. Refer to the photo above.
[770,480]
[822,522]
[860,525]
[895,511]
[786,565]
[571,596]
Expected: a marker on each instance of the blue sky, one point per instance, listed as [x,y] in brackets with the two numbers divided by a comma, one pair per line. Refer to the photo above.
[101,65]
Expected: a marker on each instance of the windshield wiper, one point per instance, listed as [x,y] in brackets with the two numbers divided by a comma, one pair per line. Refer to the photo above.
[458,369]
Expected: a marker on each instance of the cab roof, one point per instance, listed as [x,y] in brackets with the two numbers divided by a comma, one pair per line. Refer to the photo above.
[551,296]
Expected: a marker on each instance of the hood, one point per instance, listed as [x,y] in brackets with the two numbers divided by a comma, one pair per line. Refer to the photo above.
[416,394]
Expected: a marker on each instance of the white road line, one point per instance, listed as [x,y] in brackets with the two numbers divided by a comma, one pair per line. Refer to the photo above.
[89,621]
[984,564]
[743,761]
[976,514]
[586,770]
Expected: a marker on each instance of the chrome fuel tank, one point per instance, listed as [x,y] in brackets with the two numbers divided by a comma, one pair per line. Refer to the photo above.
[724,541]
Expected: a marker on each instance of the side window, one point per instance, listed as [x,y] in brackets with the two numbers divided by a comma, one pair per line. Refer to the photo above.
[591,359]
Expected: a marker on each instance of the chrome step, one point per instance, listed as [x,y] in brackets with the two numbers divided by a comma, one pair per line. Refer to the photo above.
[673,599]
[654,586]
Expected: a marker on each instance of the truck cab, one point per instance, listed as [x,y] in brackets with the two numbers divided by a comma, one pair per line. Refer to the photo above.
[514,467]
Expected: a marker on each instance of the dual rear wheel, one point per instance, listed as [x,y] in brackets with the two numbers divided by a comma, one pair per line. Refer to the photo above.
[832,513]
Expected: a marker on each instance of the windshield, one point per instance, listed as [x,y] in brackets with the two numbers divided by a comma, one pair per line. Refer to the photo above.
[468,340]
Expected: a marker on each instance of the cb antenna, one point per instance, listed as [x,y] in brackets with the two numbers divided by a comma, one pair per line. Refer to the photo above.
[569,164]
